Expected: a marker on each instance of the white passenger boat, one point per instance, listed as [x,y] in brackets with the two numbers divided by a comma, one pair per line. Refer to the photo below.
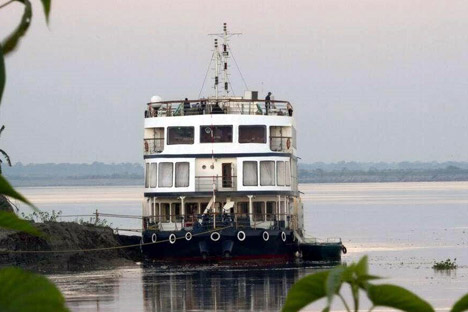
[221,174]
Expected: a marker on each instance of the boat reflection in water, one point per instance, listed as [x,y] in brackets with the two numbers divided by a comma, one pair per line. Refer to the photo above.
[253,289]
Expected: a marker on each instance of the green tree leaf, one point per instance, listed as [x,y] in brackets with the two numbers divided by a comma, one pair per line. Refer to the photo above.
[362,267]
[305,291]
[24,291]
[9,220]
[333,283]
[2,73]
[7,190]
[398,298]
[461,305]
[46,6]
[12,41]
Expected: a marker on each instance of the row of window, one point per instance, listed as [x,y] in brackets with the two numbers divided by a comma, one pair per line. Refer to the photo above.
[167,174]
[262,211]
[216,134]
[267,173]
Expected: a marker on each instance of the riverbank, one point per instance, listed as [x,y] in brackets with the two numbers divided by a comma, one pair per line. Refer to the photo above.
[50,253]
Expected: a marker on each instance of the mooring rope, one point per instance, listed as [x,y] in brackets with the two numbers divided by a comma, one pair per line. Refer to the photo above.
[3,251]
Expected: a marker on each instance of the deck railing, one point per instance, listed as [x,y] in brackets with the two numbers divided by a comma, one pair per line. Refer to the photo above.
[206,183]
[210,220]
[152,146]
[220,106]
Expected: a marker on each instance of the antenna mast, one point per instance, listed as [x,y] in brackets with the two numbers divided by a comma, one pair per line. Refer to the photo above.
[222,60]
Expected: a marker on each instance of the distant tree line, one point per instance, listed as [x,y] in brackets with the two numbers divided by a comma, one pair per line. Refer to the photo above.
[98,173]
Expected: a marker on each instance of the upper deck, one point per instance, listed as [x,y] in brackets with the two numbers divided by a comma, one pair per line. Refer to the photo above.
[229,106]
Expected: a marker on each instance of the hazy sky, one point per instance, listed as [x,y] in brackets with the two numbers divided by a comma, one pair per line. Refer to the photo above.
[370,80]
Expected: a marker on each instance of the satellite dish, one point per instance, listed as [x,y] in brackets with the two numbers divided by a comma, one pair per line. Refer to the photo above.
[208,130]
[155,99]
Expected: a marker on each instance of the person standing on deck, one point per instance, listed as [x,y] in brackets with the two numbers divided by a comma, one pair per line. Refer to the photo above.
[267,103]
[186,106]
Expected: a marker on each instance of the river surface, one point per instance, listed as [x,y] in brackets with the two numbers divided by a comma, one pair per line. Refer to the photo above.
[402,227]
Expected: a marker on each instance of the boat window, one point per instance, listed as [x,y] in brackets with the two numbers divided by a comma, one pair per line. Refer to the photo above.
[294,135]
[280,172]
[270,210]
[258,211]
[180,135]
[165,212]
[250,173]
[182,174]
[176,211]
[147,175]
[288,173]
[165,174]
[267,173]
[153,175]
[243,208]
[252,134]
[215,134]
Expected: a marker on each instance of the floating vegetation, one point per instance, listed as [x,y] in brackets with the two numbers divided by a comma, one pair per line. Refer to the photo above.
[445,265]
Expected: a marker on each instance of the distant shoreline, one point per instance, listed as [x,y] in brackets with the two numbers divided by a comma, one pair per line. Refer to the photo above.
[100,174]
[329,177]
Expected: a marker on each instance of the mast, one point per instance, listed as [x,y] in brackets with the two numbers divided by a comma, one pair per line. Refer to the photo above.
[221,61]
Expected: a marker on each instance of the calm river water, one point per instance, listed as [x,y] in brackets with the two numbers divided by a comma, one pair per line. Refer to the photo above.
[402,227]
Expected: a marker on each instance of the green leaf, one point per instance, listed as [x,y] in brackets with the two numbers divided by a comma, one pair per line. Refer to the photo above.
[305,291]
[22,291]
[398,298]
[12,41]
[461,305]
[9,220]
[46,6]
[2,73]
[334,282]
[362,267]
[7,190]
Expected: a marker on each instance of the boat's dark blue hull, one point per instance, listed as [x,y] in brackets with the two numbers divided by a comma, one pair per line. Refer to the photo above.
[231,244]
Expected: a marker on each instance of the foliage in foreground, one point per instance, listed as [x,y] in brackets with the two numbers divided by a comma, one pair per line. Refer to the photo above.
[445,265]
[21,290]
[328,284]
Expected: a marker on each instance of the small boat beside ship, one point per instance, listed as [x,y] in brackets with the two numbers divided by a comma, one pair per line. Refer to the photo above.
[221,177]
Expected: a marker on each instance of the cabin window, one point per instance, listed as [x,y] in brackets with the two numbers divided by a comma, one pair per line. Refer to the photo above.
[280,172]
[243,208]
[250,173]
[165,174]
[288,173]
[153,175]
[258,211]
[215,134]
[267,173]
[147,175]
[177,217]
[180,135]
[252,134]
[294,137]
[182,174]
[270,210]
[165,212]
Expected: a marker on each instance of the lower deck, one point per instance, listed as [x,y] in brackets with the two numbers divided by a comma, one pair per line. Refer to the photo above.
[251,211]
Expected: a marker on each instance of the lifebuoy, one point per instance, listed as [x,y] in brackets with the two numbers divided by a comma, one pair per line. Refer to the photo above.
[147,146]
[172,238]
[288,143]
[241,236]
[283,236]
[215,236]
[343,249]
[154,238]
[266,236]
[188,236]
